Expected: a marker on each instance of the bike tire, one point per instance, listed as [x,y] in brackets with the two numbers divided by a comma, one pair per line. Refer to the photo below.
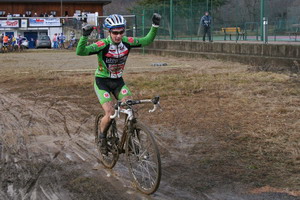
[109,160]
[143,159]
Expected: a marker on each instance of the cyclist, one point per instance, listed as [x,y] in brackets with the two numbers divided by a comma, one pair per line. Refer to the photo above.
[19,41]
[112,55]
[13,42]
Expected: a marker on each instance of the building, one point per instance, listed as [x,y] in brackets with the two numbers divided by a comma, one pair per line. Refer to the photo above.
[31,18]
[55,7]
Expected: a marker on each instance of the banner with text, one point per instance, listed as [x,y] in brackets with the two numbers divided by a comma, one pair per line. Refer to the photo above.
[9,23]
[44,22]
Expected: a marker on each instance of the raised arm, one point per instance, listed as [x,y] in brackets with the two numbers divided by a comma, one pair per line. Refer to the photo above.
[149,38]
[84,50]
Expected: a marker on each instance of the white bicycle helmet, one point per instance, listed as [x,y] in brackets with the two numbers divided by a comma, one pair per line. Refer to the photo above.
[115,21]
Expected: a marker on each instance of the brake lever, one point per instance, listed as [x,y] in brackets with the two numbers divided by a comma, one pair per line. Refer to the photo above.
[117,111]
[154,108]
[157,105]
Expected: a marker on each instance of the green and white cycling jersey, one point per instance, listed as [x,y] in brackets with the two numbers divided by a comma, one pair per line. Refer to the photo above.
[112,57]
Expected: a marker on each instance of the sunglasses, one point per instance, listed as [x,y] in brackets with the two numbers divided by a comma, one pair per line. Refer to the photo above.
[117,32]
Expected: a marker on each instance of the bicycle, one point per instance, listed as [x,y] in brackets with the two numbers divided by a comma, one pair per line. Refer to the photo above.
[72,44]
[5,48]
[21,48]
[61,45]
[138,144]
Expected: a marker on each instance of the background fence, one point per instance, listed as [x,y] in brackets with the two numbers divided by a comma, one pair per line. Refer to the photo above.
[181,19]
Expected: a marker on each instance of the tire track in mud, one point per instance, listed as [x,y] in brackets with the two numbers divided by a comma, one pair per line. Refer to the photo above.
[70,148]
[47,152]
[10,144]
[50,133]
[66,129]
[30,184]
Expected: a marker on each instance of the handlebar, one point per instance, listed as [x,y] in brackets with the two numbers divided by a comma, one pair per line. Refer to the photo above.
[130,103]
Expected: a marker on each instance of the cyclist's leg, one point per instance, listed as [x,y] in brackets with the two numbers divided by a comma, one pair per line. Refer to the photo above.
[124,94]
[5,47]
[107,105]
[105,121]
[103,87]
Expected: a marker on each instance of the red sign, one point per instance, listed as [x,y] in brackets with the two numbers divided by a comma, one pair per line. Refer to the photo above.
[9,23]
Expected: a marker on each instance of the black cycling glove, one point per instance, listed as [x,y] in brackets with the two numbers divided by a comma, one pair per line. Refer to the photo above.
[87,29]
[156,19]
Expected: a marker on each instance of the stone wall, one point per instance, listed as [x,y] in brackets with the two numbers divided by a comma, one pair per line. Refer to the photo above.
[269,57]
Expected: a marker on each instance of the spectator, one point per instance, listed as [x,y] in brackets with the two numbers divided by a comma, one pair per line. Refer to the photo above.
[205,24]
[35,15]
[9,16]
[62,41]
[54,39]
[5,41]
[13,41]
[66,19]
[31,43]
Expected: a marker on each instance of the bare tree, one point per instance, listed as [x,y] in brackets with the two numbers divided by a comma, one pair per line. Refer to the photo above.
[119,7]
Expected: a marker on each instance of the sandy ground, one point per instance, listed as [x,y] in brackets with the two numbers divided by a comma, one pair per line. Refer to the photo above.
[47,150]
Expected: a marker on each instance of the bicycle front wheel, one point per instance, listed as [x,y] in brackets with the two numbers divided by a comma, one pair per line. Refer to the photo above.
[143,159]
[112,156]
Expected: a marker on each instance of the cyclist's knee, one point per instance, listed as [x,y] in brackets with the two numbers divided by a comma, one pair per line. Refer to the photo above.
[109,112]
[108,109]
[126,98]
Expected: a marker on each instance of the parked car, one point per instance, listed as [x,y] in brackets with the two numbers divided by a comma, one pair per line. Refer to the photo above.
[43,41]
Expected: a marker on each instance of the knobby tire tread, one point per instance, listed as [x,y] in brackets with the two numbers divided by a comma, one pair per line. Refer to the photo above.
[142,127]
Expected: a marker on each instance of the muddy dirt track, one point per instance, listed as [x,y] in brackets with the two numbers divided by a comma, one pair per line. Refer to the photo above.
[47,150]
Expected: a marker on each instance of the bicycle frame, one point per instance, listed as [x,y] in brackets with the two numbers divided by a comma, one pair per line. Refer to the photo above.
[129,113]
[128,124]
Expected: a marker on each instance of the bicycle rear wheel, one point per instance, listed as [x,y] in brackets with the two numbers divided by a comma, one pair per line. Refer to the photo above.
[112,157]
[143,159]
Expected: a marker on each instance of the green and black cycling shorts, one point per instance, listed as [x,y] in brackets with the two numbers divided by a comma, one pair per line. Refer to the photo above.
[104,87]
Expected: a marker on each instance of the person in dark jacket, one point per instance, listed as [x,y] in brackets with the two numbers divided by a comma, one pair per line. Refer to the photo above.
[206,23]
